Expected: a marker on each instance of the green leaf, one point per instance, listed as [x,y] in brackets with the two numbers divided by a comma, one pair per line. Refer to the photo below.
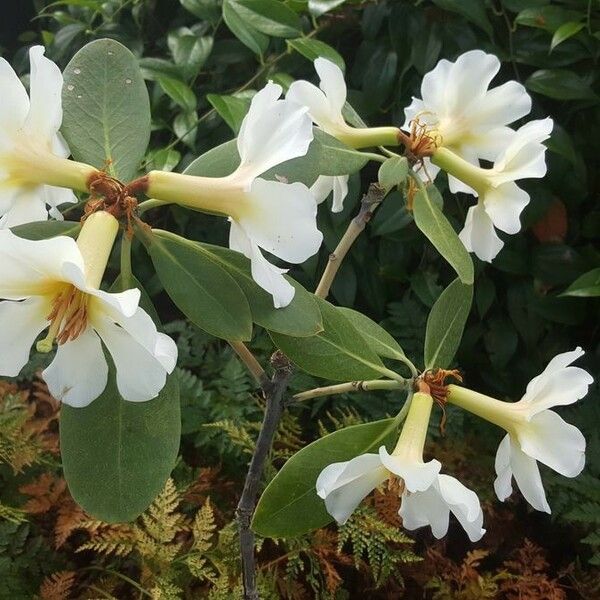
[43,230]
[377,338]
[301,318]
[199,286]
[179,92]
[232,109]
[117,455]
[564,32]
[320,7]
[313,49]
[550,18]
[472,10]
[217,162]
[248,35]
[106,119]
[289,505]
[585,286]
[270,17]
[204,9]
[162,159]
[189,50]
[432,222]
[560,84]
[339,352]
[393,172]
[446,323]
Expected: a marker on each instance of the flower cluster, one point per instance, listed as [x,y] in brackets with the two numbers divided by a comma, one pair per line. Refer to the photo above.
[534,433]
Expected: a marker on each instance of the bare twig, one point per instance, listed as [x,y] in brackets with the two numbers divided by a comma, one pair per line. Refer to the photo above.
[274,393]
[353,386]
[371,200]
[250,361]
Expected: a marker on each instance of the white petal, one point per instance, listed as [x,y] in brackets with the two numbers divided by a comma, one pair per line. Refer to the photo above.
[27,267]
[478,234]
[554,442]
[20,324]
[306,94]
[28,207]
[322,187]
[46,81]
[412,111]
[332,83]
[344,485]
[55,197]
[528,479]
[502,105]
[272,132]
[78,373]
[417,476]
[340,191]
[165,351]
[490,143]
[269,277]
[504,206]
[425,508]
[469,79]
[140,375]
[502,484]
[119,306]
[559,384]
[464,504]
[14,103]
[434,88]
[282,220]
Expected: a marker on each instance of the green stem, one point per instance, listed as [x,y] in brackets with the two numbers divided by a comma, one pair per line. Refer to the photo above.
[150,204]
[126,269]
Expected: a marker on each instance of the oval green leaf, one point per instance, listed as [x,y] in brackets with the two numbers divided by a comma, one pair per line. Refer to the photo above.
[116,454]
[106,118]
[289,505]
[43,230]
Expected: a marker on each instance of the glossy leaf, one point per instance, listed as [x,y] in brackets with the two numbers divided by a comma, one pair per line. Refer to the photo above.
[446,324]
[289,505]
[248,35]
[472,10]
[117,455]
[585,286]
[313,49]
[106,109]
[564,32]
[232,109]
[204,292]
[179,92]
[270,17]
[432,222]
[339,352]
[42,230]
[393,172]
[560,84]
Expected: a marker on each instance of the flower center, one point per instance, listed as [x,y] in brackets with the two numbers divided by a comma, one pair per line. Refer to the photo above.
[68,318]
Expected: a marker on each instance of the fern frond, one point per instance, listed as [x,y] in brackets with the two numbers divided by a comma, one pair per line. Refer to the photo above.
[57,586]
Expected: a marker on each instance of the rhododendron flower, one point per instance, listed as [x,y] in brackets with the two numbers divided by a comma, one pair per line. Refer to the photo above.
[458,111]
[265,215]
[325,104]
[501,201]
[534,433]
[53,284]
[325,184]
[428,497]
[32,151]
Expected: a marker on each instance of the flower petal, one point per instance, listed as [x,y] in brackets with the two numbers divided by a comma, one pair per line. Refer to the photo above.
[78,373]
[306,94]
[55,197]
[478,234]
[559,384]
[527,476]
[344,485]
[504,205]
[20,324]
[45,112]
[29,267]
[14,103]
[502,484]
[269,277]
[140,375]
[322,187]
[417,476]
[554,442]
[282,220]
[419,509]
[28,207]
[332,83]
[464,504]
[272,132]
[340,191]
[501,105]
[434,89]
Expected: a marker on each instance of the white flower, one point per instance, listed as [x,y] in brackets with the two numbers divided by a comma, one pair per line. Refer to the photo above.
[501,201]
[462,114]
[325,184]
[427,497]
[325,104]
[51,284]
[31,147]
[274,216]
[535,433]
